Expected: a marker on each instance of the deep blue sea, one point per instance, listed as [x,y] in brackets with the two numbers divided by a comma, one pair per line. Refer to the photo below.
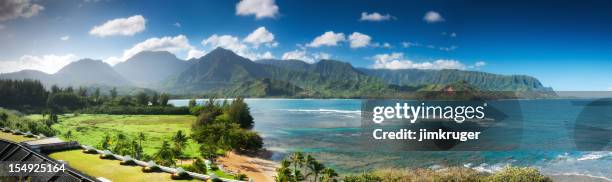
[329,129]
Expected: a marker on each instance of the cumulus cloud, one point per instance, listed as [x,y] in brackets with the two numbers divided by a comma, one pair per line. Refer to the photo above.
[48,63]
[13,9]
[242,48]
[120,26]
[397,61]
[480,63]
[305,56]
[359,40]
[328,38]
[65,38]
[225,41]
[195,53]
[170,44]
[261,36]
[259,8]
[374,16]
[433,17]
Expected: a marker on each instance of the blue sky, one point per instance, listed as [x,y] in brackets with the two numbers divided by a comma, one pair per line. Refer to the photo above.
[565,44]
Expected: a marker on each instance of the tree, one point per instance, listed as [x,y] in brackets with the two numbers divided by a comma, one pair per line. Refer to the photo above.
[68,134]
[96,95]
[329,175]
[163,99]
[180,140]
[314,166]
[82,92]
[106,141]
[192,103]
[55,89]
[199,166]
[283,173]
[297,158]
[239,113]
[164,156]
[137,150]
[142,99]
[155,99]
[113,93]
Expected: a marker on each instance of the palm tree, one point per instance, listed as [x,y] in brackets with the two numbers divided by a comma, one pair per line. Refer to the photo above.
[298,161]
[283,173]
[314,166]
[329,175]
[165,156]
[180,140]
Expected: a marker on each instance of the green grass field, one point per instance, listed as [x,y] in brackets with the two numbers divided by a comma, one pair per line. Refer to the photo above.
[14,138]
[92,165]
[90,129]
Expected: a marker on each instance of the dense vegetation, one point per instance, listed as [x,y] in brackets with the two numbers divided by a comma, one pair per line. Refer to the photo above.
[224,127]
[15,120]
[296,167]
[31,96]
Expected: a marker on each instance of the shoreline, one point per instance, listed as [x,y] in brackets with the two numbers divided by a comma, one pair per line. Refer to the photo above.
[254,167]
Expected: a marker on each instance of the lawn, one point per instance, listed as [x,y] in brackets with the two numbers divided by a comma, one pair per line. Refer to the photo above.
[90,129]
[14,138]
[92,165]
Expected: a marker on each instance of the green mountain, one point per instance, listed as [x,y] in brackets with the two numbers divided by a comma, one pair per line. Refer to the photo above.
[30,74]
[89,72]
[150,67]
[482,80]
[222,72]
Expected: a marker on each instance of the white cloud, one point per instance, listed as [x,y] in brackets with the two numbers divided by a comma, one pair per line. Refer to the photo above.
[410,44]
[13,9]
[328,38]
[65,38]
[480,64]
[177,24]
[359,40]
[451,48]
[48,63]
[305,56]
[194,53]
[259,8]
[433,17]
[387,45]
[120,26]
[261,36]
[374,16]
[113,60]
[225,41]
[170,44]
[241,48]
[397,61]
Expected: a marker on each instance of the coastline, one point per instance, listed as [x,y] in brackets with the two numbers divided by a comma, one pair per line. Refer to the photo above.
[254,167]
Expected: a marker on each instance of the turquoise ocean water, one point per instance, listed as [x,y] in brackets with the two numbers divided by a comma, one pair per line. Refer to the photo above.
[329,129]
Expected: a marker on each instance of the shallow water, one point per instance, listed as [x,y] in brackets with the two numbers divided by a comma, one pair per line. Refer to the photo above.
[330,130]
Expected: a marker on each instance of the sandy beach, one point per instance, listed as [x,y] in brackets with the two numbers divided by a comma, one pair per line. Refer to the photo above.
[260,170]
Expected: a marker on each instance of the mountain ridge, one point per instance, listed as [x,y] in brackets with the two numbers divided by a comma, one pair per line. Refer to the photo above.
[222,71]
